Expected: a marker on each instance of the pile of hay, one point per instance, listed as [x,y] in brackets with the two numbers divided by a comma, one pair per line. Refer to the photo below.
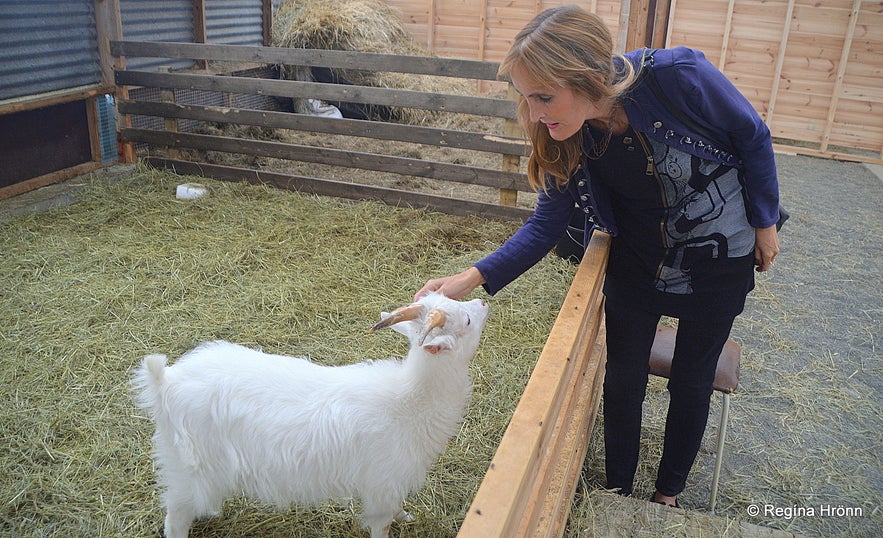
[130,270]
[355,25]
[362,26]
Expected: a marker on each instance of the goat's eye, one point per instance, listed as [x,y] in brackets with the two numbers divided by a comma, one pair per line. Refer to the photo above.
[468,320]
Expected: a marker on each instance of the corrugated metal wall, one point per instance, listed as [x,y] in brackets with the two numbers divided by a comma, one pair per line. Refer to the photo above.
[228,22]
[234,22]
[47,45]
[157,20]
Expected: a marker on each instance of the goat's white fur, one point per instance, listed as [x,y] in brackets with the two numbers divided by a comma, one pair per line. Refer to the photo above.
[235,421]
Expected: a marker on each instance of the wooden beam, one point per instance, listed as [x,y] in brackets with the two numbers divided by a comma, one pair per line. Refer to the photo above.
[200,33]
[482,106]
[672,8]
[568,465]
[841,69]
[622,34]
[170,123]
[482,29]
[725,42]
[405,166]
[816,152]
[511,163]
[340,126]
[340,59]
[528,487]
[639,13]
[780,61]
[60,97]
[342,189]
[108,27]
[267,22]
[657,23]
[41,181]
[430,27]
[199,29]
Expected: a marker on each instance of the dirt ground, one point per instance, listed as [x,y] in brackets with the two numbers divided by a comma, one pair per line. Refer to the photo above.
[803,449]
[807,427]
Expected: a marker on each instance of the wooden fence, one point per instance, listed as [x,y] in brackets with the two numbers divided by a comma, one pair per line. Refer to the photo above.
[509,146]
[529,486]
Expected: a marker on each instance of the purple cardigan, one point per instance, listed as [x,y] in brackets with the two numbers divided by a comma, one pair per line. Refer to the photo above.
[700,91]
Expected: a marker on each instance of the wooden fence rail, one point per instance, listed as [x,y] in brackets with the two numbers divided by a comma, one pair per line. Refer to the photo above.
[180,86]
[528,489]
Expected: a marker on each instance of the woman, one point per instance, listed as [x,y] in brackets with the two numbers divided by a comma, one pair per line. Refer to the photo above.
[690,197]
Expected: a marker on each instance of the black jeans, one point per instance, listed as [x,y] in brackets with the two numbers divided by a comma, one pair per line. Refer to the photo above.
[630,334]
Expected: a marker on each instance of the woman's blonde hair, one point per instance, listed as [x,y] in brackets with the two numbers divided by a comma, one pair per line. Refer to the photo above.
[564,46]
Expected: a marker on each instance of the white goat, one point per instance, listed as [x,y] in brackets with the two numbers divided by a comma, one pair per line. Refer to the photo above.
[235,421]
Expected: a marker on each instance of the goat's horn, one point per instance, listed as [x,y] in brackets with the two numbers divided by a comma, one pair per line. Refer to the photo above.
[435,318]
[402,313]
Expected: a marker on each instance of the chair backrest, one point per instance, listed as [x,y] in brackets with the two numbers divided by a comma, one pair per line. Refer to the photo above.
[726,377]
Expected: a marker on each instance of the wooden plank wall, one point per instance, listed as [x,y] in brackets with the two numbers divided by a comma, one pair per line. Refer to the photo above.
[814,70]
[482,29]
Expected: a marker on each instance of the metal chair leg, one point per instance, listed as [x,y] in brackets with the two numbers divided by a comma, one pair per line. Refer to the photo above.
[721,437]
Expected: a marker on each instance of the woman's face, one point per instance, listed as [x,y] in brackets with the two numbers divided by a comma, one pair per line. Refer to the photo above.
[560,109]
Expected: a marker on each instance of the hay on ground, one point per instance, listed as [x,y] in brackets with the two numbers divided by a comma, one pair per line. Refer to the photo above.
[130,270]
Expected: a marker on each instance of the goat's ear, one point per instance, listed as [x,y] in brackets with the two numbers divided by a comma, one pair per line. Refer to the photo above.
[409,329]
[439,344]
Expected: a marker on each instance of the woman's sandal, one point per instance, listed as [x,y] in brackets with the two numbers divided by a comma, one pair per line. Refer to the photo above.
[663,503]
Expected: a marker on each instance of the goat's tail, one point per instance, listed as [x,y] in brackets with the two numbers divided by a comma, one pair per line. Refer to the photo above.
[147,382]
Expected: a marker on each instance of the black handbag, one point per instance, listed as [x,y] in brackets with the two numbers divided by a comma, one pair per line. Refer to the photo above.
[570,247]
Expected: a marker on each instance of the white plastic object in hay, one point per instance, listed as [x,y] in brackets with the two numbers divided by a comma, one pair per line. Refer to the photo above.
[190,191]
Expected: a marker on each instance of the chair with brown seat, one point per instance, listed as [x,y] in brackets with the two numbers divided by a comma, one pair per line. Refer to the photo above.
[726,380]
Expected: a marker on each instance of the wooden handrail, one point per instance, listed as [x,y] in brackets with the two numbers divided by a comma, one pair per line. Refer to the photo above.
[529,485]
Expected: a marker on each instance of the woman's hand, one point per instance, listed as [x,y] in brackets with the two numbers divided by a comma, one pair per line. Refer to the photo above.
[766,248]
[454,286]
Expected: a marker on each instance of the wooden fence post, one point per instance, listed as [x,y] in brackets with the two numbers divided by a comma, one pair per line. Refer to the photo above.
[511,163]
[167,95]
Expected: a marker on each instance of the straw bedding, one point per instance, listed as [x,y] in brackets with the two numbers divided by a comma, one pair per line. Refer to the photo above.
[130,270]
